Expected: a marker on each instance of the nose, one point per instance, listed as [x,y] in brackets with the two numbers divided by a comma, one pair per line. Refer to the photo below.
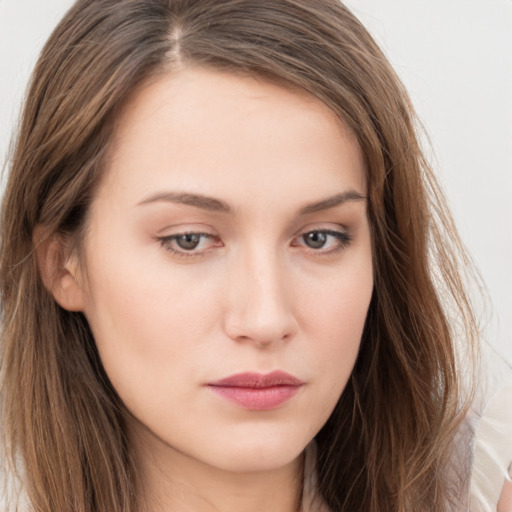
[259,308]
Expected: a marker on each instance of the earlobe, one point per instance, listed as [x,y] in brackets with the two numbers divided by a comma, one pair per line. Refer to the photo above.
[59,269]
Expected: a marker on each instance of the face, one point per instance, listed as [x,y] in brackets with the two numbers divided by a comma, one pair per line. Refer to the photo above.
[228,267]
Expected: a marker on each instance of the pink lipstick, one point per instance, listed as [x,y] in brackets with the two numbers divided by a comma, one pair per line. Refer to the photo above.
[256,391]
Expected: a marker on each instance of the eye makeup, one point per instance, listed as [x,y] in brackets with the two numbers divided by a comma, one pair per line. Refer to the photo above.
[190,243]
[317,242]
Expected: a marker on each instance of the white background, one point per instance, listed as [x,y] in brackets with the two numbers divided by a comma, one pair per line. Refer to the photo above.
[455,57]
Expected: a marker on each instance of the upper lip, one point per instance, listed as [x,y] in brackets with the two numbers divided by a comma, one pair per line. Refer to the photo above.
[258,380]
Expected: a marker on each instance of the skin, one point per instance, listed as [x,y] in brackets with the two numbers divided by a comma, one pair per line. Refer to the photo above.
[254,295]
[505,502]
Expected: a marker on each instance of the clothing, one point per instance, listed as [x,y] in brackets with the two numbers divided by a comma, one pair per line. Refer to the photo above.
[484,451]
[484,448]
[493,439]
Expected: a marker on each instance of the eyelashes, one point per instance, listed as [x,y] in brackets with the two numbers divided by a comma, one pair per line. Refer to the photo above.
[317,242]
[190,244]
[318,239]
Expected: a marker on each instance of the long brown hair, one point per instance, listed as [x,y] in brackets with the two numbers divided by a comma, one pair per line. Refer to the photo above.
[387,445]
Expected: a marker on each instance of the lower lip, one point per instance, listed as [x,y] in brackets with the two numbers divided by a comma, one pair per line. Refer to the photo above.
[257,399]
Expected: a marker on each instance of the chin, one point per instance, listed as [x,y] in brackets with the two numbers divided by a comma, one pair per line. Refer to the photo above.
[267,453]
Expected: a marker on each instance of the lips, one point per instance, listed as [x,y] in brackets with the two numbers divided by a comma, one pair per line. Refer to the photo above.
[255,391]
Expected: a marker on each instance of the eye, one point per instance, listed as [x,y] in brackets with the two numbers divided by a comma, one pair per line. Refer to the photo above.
[189,244]
[315,239]
[324,241]
[188,241]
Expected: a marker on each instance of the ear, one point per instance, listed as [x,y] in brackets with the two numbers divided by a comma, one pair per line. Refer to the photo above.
[59,269]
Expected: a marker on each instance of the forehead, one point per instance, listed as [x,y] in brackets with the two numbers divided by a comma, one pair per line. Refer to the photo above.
[218,132]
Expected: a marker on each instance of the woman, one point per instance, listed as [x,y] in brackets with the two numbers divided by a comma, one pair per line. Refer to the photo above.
[228,275]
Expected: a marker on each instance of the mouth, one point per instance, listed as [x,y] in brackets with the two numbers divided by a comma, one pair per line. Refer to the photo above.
[257,392]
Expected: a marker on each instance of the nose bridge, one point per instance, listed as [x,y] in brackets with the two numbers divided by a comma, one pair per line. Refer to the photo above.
[260,307]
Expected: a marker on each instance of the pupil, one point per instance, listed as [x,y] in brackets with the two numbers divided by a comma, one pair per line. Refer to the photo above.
[315,239]
[189,241]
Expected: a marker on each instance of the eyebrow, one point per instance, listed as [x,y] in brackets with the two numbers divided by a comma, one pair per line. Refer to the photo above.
[217,205]
[197,200]
[331,202]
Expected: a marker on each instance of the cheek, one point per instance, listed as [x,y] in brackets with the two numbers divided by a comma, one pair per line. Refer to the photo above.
[333,308]
[147,324]
[339,326]
[340,344]
[333,316]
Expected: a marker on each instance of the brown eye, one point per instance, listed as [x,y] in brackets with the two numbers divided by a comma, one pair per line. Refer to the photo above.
[190,244]
[323,242]
[315,239]
[188,241]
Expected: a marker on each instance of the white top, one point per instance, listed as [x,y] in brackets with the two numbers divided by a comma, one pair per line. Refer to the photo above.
[485,442]
[492,464]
